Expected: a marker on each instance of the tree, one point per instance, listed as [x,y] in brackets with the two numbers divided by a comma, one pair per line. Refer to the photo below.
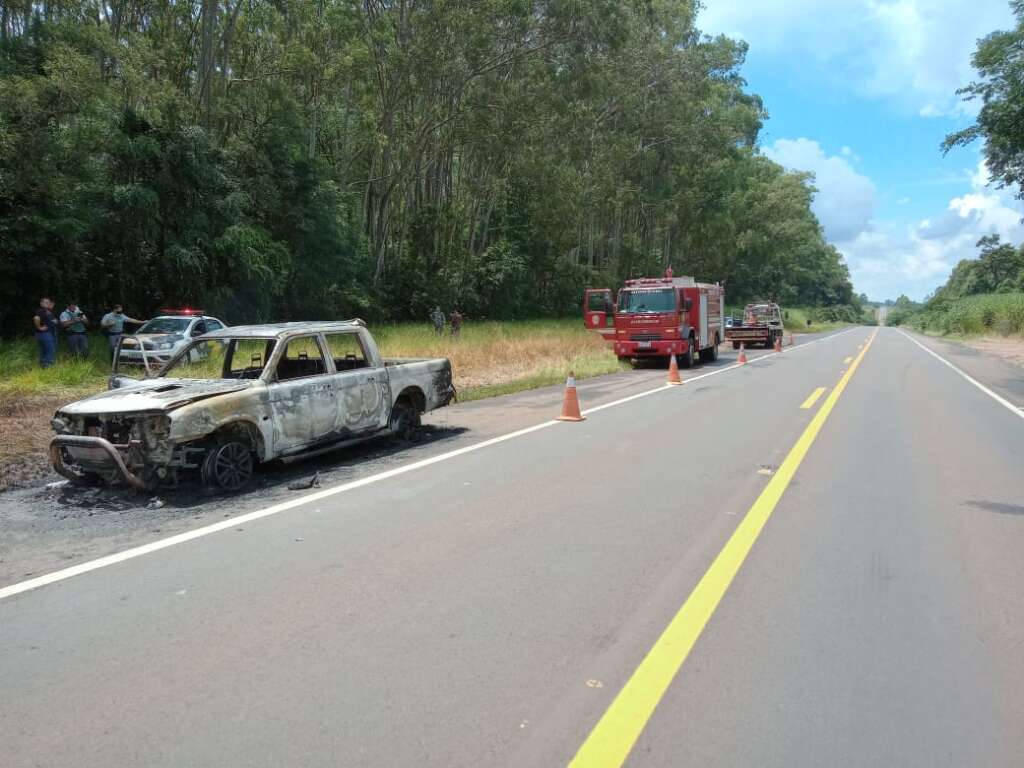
[999,59]
[343,157]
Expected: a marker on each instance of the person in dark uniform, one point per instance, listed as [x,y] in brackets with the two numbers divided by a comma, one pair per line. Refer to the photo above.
[45,326]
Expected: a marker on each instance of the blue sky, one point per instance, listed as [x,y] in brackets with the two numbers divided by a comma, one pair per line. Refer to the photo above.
[861,93]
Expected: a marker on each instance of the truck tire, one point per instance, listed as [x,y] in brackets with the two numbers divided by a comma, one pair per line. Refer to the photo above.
[735,345]
[405,420]
[710,354]
[686,359]
[229,465]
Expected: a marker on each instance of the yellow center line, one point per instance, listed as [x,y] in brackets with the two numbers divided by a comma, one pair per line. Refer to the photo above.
[810,401]
[611,740]
[847,361]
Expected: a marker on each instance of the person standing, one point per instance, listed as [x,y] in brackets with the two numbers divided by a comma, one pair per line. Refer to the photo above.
[45,326]
[437,318]
[74,323]
[455,319]
[112,324]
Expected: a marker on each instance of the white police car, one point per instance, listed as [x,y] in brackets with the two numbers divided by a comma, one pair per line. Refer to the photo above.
[161,337]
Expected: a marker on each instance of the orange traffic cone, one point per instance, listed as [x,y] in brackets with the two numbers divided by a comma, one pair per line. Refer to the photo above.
[571,404]
[778,343]
[743,355]
[673,371]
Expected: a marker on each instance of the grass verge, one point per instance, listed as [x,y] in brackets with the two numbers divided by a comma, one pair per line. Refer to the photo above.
[1000,314]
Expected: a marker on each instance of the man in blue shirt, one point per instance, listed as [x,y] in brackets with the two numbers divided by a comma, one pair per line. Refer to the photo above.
[46,332]
[74,321]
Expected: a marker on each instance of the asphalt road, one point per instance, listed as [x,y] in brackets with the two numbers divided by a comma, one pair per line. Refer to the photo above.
[497,605]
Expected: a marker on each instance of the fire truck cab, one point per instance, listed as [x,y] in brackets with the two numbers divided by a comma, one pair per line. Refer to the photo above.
[659,317]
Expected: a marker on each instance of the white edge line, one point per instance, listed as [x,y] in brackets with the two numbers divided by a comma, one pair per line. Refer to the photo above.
[206,530]
[995,396]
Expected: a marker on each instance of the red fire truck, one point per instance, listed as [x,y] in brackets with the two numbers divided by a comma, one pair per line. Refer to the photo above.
[658,317]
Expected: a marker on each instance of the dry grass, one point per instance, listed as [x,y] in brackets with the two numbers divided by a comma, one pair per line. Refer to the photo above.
[499,356]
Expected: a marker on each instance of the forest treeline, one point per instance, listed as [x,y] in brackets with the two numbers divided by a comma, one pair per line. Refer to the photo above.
[982,294]
[329,158]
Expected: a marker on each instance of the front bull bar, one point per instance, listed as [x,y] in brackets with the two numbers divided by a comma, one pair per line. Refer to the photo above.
[85,441]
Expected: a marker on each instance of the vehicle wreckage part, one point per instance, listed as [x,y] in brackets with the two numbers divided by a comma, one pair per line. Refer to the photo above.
[79,477]
[405,419]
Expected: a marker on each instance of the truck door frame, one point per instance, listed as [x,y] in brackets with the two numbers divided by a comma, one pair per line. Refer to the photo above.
[703,322]
[599,320]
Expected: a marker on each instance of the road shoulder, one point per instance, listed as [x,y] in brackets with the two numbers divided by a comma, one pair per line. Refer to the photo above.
[1001,370]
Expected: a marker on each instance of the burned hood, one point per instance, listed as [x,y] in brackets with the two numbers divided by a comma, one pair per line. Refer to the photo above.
[154,395]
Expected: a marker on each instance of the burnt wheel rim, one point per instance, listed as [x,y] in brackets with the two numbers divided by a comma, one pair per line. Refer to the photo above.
[232,466]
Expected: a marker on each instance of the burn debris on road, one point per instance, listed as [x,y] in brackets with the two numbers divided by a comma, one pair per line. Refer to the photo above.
[303,485]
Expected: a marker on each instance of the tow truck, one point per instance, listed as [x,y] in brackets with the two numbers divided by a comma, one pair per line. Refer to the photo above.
[762,324]
[659,317]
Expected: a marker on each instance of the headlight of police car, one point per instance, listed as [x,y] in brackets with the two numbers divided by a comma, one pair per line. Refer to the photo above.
[168,343]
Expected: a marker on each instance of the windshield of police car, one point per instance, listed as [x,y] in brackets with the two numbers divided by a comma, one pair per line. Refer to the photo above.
[166,325]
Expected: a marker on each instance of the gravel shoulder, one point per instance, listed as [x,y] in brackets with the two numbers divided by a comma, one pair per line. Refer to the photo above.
[997,363]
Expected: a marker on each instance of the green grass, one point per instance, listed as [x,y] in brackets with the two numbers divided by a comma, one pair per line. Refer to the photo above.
[20,373]
[1000,314]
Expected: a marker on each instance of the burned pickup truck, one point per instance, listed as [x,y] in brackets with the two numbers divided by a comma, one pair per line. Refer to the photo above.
[240,396]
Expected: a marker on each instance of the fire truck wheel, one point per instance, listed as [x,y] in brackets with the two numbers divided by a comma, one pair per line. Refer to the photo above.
[735,345]
[686,359]
[710,354]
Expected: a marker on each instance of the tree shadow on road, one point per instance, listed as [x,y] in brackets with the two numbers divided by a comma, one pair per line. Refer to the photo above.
[997,506]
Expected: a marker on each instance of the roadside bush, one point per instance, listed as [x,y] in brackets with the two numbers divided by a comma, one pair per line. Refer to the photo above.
[999,313]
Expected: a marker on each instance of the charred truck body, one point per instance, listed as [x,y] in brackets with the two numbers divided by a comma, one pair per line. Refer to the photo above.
[659,317]
[240,396]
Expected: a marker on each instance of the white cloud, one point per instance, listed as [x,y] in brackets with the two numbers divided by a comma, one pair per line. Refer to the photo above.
[915,53]
[889,258]
[845,202]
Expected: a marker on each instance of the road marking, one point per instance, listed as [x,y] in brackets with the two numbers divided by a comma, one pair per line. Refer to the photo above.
[848,360]
[669,387]
[612,739]
[810,401]
[232,522]
[998,398]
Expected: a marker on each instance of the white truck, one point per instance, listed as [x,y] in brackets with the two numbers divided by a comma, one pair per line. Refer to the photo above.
[253,394]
